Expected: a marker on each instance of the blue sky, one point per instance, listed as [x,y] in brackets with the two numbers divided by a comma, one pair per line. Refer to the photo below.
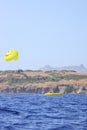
[45,32]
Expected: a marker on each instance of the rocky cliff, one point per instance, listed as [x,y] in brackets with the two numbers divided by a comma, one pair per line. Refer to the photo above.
[28,81]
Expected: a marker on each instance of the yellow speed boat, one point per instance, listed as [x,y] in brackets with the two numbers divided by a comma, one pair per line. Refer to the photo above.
[52,94]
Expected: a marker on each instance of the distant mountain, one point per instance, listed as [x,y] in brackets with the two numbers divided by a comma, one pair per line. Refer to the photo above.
[80,68]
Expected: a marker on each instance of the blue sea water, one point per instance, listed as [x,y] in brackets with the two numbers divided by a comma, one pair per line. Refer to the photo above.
[39,112]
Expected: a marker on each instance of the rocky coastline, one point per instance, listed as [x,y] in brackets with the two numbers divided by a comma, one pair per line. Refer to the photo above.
[28,81]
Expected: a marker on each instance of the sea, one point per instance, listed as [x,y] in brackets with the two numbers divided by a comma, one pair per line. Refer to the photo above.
[40,112]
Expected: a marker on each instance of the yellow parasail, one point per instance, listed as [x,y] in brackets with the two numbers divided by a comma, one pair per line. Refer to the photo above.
[11,55]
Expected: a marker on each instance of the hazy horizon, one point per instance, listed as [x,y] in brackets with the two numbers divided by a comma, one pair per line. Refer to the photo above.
[51,67]
[47,32]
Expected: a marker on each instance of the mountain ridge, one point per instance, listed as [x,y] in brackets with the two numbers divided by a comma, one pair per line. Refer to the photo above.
[79,68]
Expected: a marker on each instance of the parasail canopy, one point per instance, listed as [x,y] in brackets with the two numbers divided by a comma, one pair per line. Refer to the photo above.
[11,55]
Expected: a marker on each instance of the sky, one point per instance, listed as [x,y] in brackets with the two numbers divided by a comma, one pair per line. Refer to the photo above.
[45,32]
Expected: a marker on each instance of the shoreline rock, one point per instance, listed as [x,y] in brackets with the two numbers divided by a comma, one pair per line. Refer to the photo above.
[28,81]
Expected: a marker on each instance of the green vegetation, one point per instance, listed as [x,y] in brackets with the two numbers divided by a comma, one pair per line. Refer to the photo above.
[59,75]
[40,82]
[53,76]
[75,77]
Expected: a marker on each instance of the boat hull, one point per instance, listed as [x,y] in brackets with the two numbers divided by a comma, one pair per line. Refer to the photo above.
[52,94]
